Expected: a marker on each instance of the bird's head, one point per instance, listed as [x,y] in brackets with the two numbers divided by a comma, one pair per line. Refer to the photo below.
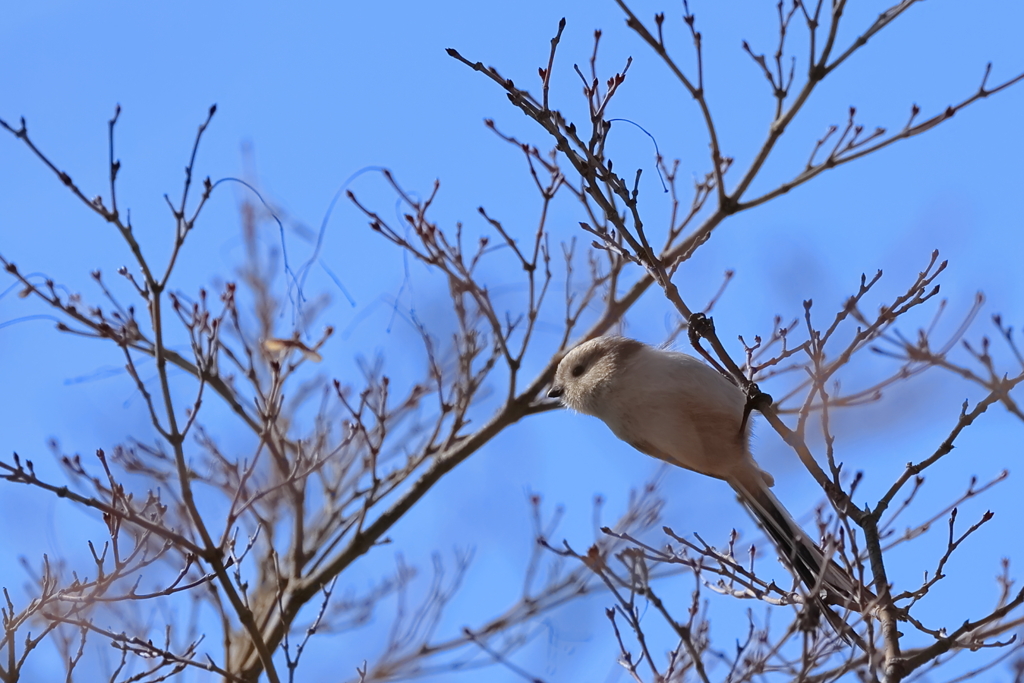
[589,370]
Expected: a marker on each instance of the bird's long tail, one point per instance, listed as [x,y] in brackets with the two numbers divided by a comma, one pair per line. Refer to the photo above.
[825,580]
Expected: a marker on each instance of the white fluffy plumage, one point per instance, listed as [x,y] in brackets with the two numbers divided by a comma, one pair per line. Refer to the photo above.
[675,407]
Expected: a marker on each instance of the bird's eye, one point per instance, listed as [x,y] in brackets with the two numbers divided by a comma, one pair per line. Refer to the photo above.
[578,370]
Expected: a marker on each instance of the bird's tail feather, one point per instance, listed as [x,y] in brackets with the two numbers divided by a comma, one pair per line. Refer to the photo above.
[827,582]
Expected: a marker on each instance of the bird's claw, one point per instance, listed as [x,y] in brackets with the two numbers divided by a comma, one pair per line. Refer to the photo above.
[699,325]
[756,400]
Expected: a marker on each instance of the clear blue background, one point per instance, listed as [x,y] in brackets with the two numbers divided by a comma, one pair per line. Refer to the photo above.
[319,91]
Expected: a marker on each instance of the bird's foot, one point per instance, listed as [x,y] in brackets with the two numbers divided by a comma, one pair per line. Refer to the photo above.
[698,326]
[756,400]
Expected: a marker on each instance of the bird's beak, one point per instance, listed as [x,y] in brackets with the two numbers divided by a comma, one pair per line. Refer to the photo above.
[555,392]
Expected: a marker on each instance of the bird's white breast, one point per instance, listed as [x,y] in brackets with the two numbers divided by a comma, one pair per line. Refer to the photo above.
[677,408]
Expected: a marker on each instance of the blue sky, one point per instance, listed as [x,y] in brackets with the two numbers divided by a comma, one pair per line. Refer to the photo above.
[319,91]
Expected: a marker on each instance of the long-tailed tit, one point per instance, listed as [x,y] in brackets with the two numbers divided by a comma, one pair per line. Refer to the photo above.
[674,407]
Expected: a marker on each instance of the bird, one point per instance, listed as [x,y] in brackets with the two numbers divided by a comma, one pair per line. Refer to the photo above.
[678,409]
